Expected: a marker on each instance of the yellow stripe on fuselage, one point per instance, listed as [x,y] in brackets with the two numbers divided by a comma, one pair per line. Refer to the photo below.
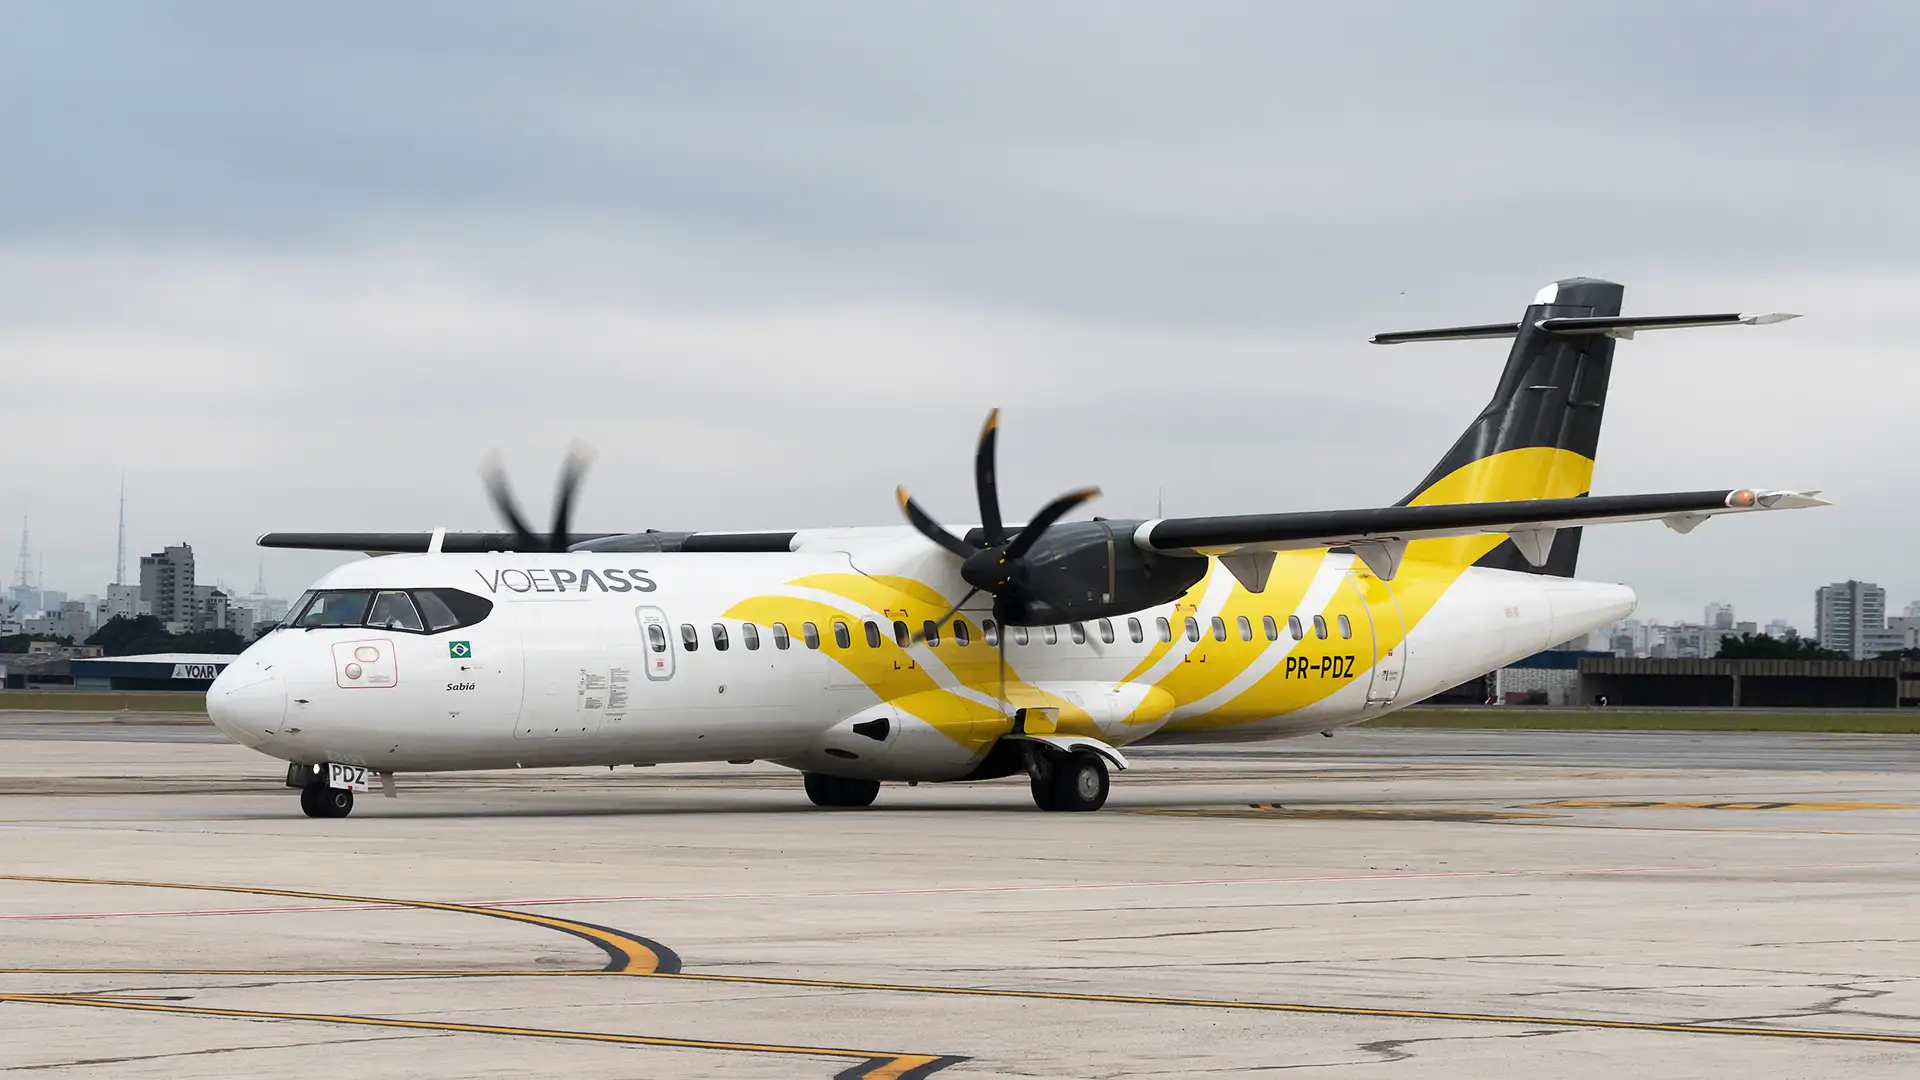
[1209,666]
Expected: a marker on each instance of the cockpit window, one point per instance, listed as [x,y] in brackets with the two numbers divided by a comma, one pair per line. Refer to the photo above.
[464,607]
[345,607]
[394,611]
[425,611]
[439,616]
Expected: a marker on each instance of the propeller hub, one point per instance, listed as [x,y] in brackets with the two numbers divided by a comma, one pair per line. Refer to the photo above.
[988,570]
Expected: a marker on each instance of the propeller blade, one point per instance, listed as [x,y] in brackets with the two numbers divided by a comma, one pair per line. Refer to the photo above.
[921,634]
[930,528]
[984,483]
[1048,514]
[495,479]
[572,471]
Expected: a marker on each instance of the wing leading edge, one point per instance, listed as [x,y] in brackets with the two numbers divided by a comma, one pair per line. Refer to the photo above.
[1380,535]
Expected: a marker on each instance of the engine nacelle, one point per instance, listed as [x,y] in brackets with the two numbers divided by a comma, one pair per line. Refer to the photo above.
[1084,570]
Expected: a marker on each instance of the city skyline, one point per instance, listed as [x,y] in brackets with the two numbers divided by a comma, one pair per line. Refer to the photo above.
[1673,613]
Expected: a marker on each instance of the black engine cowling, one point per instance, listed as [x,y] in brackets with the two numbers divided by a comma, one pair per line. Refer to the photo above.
[1084,570]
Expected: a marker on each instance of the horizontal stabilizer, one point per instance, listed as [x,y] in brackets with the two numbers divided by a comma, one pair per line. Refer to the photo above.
[1449,333]
[1625,326]
[1620,326]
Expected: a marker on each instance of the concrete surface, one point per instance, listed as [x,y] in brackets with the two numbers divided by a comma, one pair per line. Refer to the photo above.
[1391,903]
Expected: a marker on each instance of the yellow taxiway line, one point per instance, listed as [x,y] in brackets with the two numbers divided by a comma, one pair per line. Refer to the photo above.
[871,1064]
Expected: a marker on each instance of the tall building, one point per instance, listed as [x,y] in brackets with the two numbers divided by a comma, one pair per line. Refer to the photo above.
[166,587]
[1782,630]
[209,608]
[122,602]
[1719,616]
[1846,613]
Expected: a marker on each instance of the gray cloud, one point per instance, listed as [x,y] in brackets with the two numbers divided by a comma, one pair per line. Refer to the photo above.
[302,267]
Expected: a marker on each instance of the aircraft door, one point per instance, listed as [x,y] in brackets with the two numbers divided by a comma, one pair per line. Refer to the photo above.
[566,690]
[1389,636]
[658,634]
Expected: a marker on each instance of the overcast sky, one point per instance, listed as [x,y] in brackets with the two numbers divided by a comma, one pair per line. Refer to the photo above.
[303,266]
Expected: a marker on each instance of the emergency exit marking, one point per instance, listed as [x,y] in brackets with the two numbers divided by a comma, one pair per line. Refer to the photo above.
[459,650]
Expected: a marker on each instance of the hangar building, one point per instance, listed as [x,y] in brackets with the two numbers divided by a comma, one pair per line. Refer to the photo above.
[157,671]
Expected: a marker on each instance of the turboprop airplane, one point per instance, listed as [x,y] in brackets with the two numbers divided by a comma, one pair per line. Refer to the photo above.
[858,656]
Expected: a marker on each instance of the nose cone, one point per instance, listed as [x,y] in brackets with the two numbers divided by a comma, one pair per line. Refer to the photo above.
[248,702]
[1580,607]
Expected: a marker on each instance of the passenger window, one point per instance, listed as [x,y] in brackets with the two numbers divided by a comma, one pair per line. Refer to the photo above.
[810,634]
[749,636]
[1051,634]
[1106,631]
[1079,632]
[1320,627]
[656,637]
[781,639]
[961,635]
[902,636]
[930,633]
[689,637]
[1193,629]
[1272,628]
[1346,628]
[394,611]
[719,637]
[991,631]
[841,635]
[1246,629]
[1019,635]
[1294,628]
[346,608]
[1134,631]
[873,634]
[1166,629]
[1219,628]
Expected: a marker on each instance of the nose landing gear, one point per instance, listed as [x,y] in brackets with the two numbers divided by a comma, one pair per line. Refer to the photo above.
[842,791]
[320,801]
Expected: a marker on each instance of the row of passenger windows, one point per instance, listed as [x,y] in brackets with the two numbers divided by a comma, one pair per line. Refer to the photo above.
[872,636]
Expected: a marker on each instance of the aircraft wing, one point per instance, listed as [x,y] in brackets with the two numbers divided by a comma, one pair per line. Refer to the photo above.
[1379,535]
[391,543]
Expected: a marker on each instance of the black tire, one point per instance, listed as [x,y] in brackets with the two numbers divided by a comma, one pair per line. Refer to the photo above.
[325,802]
[1042,791]
[1079,784]
[840,791]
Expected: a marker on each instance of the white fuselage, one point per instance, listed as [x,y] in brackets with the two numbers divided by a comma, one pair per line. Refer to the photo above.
[614,659]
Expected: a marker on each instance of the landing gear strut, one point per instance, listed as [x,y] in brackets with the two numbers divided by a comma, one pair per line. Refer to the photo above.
[1074,782]
[827,790]
[321,801]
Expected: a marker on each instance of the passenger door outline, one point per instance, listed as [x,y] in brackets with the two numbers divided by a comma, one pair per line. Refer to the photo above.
[660,664]
[1384,622]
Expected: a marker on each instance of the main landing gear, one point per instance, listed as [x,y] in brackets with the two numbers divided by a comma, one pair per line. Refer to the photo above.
[1074,782]
[842,791]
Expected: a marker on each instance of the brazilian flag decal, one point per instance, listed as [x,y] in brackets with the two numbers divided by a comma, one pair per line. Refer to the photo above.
[459,650]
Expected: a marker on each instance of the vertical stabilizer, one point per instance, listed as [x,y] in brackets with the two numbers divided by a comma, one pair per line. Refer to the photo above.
[1538,437]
